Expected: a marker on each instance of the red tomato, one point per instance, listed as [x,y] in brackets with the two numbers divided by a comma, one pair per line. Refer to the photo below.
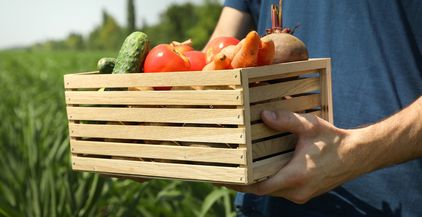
[164,58]
[182,47]
[197,60]
[217,44]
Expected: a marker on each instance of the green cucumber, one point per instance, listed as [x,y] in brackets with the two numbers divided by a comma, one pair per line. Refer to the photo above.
[106,65]
[132,54]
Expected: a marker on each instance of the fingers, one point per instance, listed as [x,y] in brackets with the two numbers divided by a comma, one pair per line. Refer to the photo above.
[239,188]
[284,184]
[277,183]
[286,121]
[291,194]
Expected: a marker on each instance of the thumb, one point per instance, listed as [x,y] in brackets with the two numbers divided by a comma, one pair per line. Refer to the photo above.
[284,121]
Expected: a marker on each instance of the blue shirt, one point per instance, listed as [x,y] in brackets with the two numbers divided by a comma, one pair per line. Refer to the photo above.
[376,51]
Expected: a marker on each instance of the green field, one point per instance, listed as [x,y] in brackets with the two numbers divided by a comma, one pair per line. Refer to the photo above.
[36,178]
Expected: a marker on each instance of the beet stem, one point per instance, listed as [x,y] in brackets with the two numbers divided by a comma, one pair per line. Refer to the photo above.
[280,14]
[273,17]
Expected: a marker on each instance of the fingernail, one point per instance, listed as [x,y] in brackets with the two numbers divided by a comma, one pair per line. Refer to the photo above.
[270,115]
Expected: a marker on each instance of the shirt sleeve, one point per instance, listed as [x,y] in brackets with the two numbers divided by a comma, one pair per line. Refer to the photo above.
[241,5]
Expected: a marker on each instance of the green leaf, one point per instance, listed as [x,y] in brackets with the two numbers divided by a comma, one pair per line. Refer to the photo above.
[228,204]
[7,213]
[37,179]
[211,199]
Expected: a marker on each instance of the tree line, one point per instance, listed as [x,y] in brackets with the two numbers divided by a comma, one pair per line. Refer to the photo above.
[177,23]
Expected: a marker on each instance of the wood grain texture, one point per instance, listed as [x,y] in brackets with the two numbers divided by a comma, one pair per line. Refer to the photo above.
[193,97]
[168,152]
[161,133]
[157,115]
[268,167]
[284,68]
[294,104]
[247,127]
[170,170]
[260,130]
[186,158]
[271,91]
[81,73]
[273,146]
[282,76]
[144,178]
[326,94]
[223,77]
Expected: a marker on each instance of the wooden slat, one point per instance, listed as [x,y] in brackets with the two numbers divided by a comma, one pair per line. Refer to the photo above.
[223,77]
[169,170]
[162,115]
[326,94]
[82,73]
[260,130]
[285,68]
[146,178]
[273,146]
[247,127]
[168,152]
[294,104]
[268,167]
[281,76]
[271,91]
[162,133]
[193,97]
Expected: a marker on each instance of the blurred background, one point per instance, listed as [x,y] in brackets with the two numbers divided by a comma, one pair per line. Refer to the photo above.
[42,40]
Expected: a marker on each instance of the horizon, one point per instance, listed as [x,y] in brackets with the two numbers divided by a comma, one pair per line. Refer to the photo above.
[25,23]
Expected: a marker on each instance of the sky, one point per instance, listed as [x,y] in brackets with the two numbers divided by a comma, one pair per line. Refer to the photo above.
[24,22]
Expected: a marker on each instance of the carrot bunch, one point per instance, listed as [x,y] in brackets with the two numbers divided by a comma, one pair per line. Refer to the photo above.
[249,52]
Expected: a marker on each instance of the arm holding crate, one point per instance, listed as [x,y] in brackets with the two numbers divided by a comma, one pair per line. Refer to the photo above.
[326,156]
[232,23]
[365,171]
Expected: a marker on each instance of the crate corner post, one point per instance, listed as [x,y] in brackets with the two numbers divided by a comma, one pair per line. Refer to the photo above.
[247,125]
[326,92]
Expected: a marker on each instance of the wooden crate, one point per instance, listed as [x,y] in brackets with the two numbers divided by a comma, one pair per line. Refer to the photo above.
[212,133]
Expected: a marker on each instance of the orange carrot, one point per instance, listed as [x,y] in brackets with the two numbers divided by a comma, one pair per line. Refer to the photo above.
[220,61]
[238,47]
[266,52]
[209,66]
[247,55]
[229,51]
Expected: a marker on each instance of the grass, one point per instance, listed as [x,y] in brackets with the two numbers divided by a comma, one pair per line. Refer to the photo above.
[36,175]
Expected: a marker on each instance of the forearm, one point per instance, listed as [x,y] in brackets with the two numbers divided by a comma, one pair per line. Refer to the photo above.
[326,156]
[232,23]
[394,140]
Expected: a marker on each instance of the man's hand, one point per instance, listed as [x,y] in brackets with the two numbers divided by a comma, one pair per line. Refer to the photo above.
[326,156]
[321,160]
